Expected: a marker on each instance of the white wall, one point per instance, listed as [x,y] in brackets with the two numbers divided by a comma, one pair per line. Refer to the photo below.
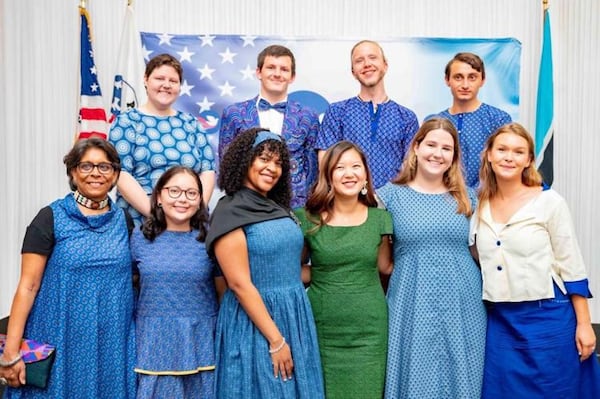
[39,53]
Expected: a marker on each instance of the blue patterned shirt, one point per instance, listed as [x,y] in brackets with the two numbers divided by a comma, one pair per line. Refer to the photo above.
[384,135]
[474,128]
[148,145]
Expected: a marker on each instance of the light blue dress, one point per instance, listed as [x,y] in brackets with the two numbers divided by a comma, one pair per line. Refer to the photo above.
[437,319]
[148,145]
[175,317]
[244,368]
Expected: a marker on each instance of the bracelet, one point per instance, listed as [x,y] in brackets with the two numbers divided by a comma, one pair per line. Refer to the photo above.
[280,347]
[11,363]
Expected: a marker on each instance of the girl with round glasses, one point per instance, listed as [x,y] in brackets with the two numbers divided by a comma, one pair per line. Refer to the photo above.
[177,303]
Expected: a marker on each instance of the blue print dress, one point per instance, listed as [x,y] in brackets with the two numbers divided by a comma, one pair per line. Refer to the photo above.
[176,316]
[437,319]
[244,368]
[148,145]
[84,305]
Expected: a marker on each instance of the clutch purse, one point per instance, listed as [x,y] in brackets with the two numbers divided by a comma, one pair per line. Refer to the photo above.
[38,358]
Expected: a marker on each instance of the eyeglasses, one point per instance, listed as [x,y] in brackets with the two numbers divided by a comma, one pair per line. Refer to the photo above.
[175,192]
[103,167]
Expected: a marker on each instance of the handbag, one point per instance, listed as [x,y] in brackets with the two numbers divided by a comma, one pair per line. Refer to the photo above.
[38,358]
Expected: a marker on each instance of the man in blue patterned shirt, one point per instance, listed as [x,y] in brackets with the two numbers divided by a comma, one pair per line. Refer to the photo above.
[271,109]
[474,120]
[382,128]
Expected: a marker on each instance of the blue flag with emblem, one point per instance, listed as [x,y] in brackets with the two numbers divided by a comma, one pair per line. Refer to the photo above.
[544,125]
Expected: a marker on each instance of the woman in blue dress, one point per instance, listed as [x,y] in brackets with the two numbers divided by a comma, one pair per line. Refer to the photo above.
[177,308]
[75,290]
[540,341]
[436,315]
[152,138]
[266,343]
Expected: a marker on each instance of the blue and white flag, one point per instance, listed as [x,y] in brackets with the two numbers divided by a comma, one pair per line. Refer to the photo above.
[128,87]
[544,123]
[221,69]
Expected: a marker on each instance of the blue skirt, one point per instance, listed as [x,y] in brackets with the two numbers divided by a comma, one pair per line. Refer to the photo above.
[531,353]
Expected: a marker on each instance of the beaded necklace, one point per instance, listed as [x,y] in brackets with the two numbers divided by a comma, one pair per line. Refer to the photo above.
[89,203]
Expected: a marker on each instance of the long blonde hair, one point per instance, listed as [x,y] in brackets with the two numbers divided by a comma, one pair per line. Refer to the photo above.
[487,178]
[453,178]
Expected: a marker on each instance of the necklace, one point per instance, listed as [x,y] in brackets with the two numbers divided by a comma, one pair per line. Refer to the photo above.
[89,203]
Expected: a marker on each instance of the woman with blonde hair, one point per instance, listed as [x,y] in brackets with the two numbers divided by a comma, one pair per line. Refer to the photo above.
[539,335]
[436,316]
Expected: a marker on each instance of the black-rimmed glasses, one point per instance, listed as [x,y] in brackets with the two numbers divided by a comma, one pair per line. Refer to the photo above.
[175,192]
[104,168]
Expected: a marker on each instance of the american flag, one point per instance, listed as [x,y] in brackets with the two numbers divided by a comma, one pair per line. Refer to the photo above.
[92,116]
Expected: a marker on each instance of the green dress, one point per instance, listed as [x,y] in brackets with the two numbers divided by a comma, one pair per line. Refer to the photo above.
[349,305]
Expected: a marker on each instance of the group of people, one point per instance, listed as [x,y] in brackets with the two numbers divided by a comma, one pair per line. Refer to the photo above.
[278,294]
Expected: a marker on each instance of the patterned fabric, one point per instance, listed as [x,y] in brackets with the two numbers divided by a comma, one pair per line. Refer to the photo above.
[31,351]
[474,128]
[176,312]
[437,319]
[84,307]
[244,368]
[349,305]
[148,145]
[300,127]
[385,143]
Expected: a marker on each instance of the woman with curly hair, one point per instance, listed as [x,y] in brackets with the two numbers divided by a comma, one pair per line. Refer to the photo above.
[177,308]
[348,241]
[436,315]
[266,342]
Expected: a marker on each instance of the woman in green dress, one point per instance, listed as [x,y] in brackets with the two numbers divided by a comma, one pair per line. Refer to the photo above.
[347,239]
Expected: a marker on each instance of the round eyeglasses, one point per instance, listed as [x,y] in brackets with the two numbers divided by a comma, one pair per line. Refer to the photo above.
[175,192]
[104,168]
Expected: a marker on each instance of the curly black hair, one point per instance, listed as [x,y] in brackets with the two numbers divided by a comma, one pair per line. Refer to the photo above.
[156,223]
[240,154]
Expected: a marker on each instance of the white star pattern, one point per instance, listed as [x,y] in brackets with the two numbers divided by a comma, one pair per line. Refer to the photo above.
[146,53]
[94,87]
[207,40]
[165,38]
[186,89]
[205,105]
[227,56]
[185,55]
[248,73]
[248,40]
[206,72]
[226,89]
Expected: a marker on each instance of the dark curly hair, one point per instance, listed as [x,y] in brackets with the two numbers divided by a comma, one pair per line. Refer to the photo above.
[156,223]
[238,158]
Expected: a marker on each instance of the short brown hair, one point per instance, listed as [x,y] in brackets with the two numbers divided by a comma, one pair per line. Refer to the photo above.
[468,58]
[164,59]
[275,50]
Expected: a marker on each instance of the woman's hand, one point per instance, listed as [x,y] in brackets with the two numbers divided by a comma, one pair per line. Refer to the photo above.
[282,361]
[15,374]
[585,340]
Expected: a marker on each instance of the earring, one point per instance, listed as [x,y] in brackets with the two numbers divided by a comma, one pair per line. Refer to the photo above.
[159,205]
[364,190]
